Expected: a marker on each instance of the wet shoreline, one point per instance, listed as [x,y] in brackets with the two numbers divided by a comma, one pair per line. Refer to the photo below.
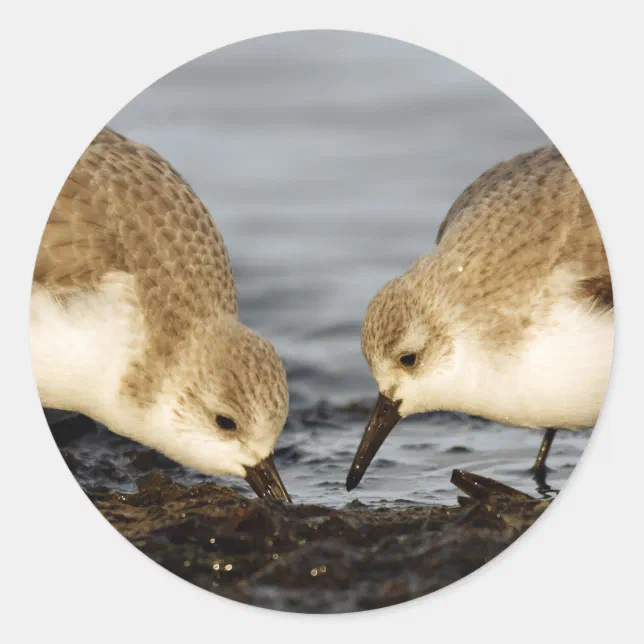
[305,557]
[310,558]
[315,450]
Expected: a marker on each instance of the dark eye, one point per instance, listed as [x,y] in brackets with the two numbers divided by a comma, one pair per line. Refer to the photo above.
[226,423]
[408,359]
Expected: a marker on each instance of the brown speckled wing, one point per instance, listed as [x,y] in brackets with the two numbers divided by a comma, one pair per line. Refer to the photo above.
[124,208]
[534,211]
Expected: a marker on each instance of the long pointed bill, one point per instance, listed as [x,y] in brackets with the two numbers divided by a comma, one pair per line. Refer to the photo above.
[266,482]
[383,419]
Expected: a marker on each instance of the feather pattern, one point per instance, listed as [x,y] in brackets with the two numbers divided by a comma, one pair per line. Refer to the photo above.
[519,222]
[511,317]
[125,209]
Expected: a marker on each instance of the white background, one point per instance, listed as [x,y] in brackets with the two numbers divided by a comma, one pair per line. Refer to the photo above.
[68,67]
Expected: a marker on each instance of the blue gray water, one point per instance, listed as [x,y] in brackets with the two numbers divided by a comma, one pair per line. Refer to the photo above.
[328,160]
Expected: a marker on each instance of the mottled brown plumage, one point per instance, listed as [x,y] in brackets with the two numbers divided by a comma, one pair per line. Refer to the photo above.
[510,318]
[124,208]
[132,263]
[517,223]
[500,247]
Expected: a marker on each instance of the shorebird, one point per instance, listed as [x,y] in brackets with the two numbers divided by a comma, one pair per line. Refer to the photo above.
[134,319]
[510,318]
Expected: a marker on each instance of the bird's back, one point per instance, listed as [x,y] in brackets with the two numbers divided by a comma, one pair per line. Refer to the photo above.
[124,209]
[509,231]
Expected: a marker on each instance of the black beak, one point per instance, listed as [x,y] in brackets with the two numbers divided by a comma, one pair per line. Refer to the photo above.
[266,482]
[383,419]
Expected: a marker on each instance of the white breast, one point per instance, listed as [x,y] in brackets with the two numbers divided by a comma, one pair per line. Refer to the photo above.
[558,378]
[81,346]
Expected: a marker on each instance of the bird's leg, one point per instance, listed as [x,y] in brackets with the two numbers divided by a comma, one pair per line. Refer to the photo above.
[539,468]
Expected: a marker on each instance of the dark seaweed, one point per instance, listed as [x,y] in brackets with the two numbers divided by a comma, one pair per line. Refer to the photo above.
[302,558]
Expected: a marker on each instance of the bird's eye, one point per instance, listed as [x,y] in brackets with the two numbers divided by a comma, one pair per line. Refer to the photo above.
[408,359]
[226,423]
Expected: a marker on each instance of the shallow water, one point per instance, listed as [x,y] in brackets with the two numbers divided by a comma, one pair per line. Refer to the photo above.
[328,161]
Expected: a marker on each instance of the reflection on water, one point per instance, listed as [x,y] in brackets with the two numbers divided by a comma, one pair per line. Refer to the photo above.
[328,161]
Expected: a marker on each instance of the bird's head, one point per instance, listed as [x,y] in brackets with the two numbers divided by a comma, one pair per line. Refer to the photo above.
[409,351]
[224,402]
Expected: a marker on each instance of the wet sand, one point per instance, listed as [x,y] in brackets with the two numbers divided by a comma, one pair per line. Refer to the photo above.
[308,558]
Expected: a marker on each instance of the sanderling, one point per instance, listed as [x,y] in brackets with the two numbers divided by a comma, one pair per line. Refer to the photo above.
[134,319]
[511,318]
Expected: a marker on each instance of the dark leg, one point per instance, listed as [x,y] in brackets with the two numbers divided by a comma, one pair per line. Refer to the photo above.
[539,468]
